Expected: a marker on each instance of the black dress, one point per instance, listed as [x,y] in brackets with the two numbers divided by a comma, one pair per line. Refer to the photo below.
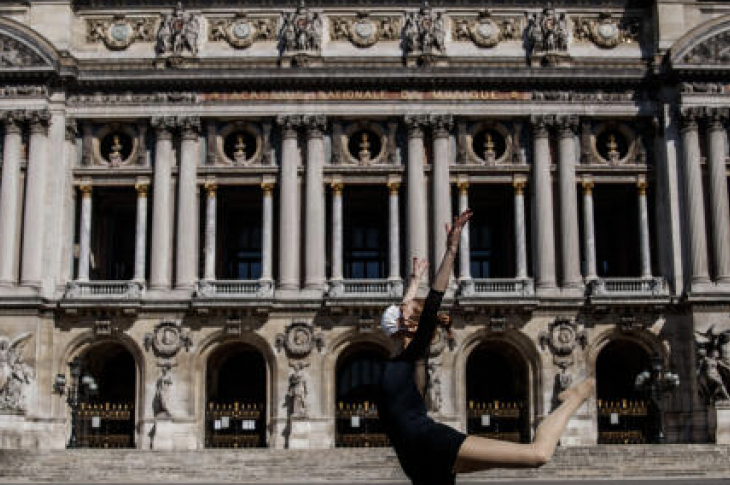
[426,449]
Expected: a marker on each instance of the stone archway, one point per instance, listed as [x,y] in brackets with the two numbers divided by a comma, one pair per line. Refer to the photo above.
[498,392]
[623,413]
[236,397]
[357,377]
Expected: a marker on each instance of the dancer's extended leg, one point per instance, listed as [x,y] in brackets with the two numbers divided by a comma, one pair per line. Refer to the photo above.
[482,454]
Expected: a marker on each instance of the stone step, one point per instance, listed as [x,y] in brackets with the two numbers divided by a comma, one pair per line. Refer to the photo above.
[354,465]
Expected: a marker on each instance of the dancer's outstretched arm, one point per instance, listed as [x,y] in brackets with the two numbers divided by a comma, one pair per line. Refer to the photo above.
[441,281]
[420,266]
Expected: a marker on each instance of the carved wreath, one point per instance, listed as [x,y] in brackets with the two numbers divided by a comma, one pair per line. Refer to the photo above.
[298,339]
[167,339]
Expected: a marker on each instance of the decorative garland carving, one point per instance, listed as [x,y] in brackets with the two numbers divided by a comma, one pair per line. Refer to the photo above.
[485,30]
[119,32]
[607,31]
[241,31]
[363,30]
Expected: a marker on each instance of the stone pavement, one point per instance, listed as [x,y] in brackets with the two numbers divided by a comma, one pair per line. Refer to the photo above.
[598,464]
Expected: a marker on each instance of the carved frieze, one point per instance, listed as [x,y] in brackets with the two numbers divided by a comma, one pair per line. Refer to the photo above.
[364,30]
[23,91]
[15,374]
[119,32]
[14,53]
[607,31]
[486,30]
[242,31]
[715,50]
[132,98]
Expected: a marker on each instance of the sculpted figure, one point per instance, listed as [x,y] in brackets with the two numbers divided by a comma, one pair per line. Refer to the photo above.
[161,401]
[297,393]
[713,366]
[15,374]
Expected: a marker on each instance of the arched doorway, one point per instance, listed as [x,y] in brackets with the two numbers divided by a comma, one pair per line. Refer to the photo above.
[106,416]
[623,412]
[235,406]
[497,392]
[357,379]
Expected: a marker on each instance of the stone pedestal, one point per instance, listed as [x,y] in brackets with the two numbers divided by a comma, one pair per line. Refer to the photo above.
[719,419]
[168,434]
[299,434]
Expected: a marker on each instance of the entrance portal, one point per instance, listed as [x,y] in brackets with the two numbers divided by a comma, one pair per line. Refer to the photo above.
[235,411]
[106,419]
[358,377]
[623,413]
[497,393]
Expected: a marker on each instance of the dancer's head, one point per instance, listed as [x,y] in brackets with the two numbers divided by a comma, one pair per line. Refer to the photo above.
[400,322]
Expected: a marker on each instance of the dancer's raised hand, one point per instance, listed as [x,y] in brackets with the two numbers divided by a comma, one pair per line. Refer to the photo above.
[453,231]
[420,266]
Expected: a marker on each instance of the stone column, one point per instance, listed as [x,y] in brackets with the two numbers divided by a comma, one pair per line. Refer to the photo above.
[162,209]
[210,227]
[140,241]
[465,279]
[717,144]
[440,184]
[644,242]
[520,230]
[315,233]
[570,243]
[289,216]
[36,189]
[589,231]
[543,206]
[394,233]
[417,237]
[695,199]
[267,233]
[9,198]
[337,274]
[84,233]
[186,273]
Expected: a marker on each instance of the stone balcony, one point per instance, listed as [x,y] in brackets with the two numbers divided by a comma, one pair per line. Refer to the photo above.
[104,290]
[497,288]
[364,290]
[630,289]
[233,289]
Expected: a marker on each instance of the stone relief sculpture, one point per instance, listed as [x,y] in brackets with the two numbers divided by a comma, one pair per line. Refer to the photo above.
[119,32]
[561,338]
[713,51]
[299,339]
[15,374]
[16,54]
[161,401]
[178,33]
[301,31]
[424,32]
[547,37]
[240,31]
[607,31]
[434,392]
[485,30]
[296,395]
[363,30]
[713,366]
[167,339]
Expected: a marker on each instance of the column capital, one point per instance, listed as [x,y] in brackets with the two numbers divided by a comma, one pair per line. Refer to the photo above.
[290,124]
[441,125]
[642,185]
[463,187]
[210,187]
[190,127]
[567,125]
[164,125]
[13,121]
[688,118]
[142,188]
[519,186]
[587,185]
[540,125]
[268,188]
[315,125]
[393,187]
[415,124]
[716,118]
[337,187]
[85,188]
[39,120]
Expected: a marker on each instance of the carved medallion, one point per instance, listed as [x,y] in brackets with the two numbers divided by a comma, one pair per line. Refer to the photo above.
[364,31]
[120,32]
[241,32]
[485,31]
[606,31]
[167,339]
[299,339]
[562,337]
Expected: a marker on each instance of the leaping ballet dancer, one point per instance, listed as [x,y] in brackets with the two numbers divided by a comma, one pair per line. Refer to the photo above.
[432,453]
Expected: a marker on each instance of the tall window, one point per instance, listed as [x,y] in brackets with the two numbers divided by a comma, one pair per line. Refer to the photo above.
[617,230]
[491,232]
[239,229]
[365,232]
[113,233]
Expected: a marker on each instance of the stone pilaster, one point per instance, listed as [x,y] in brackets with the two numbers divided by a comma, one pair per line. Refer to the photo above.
[337,274]
[34,226]
[394,233]
[84,233]
[10,198]
[543,205]
[695,200]
[186,273]
[644,238]
[417,237]
[267,233]
[465,280]
[569,237]
[315,231]
[719,208]
[589,231]
[140,240]
[162,207]
[210,230]
[520,229]
[440,185]
[289,217]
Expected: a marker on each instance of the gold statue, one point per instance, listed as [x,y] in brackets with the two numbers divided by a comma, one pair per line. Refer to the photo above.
[364,149]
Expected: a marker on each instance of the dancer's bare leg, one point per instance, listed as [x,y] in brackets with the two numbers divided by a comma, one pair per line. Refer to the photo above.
[482,454]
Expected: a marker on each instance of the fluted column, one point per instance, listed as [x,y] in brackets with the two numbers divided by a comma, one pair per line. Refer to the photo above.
[644,241]
[267,233]
[140,240]
[315,232]
[337,274]
[695,199]
[543,206]
[394,232]
[35,200]
[186,273]
[589,231]
[210,229]
[440,184]
[465,279]
[84,233]
[289,217]
[9,199]
[162,207]
[569,238]
[717,144]
[417,237]
[520,230]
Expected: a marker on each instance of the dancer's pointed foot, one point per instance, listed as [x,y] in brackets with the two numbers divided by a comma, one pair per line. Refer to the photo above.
[580,391]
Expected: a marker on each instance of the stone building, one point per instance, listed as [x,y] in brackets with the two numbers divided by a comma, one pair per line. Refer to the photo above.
[206,208]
